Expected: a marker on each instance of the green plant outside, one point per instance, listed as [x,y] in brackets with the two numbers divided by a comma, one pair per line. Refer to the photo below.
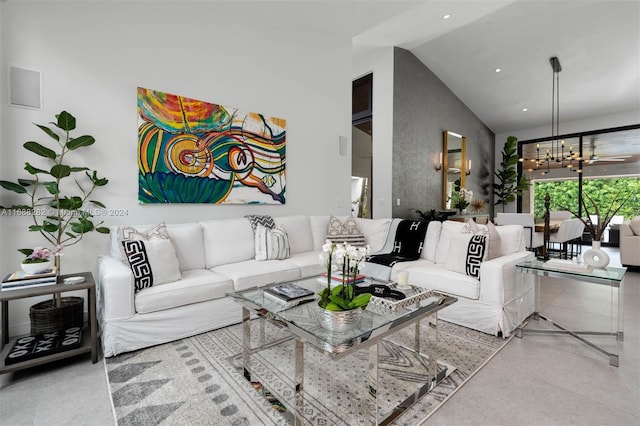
[602,191]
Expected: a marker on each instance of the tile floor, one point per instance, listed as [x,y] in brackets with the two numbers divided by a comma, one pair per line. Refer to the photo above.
[536,380]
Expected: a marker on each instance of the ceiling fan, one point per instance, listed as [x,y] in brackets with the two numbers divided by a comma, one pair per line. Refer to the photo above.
[593,158]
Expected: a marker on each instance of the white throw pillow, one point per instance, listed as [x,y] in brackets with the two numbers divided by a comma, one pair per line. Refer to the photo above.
[466,253]
[271,244]
[634,224]
[152,262]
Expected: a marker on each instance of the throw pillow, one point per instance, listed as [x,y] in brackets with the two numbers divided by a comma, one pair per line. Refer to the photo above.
[271,244]
[634,224]
[152,262]
[466,253]
[347,232]
[493,241]
[261,219]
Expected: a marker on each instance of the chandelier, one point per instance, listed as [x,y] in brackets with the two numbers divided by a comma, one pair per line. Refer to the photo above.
[554,156]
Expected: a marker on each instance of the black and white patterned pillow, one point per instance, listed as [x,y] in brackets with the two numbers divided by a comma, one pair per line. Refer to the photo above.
[264,220]
[271,244]
[136,255]
[466,253]
[152,262]
[475,255]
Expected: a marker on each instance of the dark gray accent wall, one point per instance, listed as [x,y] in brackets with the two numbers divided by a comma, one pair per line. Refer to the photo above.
[423,107]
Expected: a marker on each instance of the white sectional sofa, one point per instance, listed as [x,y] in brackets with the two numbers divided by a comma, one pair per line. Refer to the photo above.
[218,256]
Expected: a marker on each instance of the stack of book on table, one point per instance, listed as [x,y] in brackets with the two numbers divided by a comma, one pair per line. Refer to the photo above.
[337,278]
[21,279]
[289,294]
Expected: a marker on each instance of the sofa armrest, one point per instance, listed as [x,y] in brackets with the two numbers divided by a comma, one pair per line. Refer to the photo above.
[115,289]
[498,277]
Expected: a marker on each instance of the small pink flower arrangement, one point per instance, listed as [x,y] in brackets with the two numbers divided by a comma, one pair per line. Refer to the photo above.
[39,254]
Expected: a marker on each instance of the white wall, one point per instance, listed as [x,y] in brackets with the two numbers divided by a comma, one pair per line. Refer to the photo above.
[379,60]
[93,55]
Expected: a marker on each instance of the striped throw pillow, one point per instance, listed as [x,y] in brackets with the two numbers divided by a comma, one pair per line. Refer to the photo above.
[271,244]
[347,232]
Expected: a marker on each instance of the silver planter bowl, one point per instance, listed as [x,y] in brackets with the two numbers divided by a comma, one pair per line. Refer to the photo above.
[339,321]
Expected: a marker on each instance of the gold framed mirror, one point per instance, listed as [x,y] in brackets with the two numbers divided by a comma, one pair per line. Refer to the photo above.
[454,163]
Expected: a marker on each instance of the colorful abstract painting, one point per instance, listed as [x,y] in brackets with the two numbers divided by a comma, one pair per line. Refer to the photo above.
[191,151]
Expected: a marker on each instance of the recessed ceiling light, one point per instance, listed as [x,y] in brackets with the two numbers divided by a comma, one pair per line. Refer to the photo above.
[525,109]
[498,70]
[447,16]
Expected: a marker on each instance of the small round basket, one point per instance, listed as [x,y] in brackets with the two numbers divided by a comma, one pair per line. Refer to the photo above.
[46,317]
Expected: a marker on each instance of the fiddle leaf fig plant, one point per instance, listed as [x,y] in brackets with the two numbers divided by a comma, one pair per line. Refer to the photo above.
[508,185]
[61,211]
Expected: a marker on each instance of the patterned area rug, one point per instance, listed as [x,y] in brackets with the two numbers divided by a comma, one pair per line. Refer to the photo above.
[197,380]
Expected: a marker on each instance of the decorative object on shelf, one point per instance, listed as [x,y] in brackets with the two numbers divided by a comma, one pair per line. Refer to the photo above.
[341,307]
[38,259]
[30,347]
[477,206]
[461,199]
[508,186]
[69,209]
[595,256]
[433,214]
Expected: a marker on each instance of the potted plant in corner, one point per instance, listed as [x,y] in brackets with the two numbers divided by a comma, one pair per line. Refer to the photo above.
[341,307]
[508,186]
[59,209]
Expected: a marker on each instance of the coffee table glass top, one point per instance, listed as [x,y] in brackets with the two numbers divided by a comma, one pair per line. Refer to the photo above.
[608,274]
[303,322]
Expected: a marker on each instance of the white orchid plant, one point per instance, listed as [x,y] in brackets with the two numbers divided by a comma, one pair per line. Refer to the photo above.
[342,297]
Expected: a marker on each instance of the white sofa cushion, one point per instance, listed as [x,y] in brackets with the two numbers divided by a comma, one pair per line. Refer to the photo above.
[431,240]
[634,224]
[299,230]
[254,273]
[375,231]
[449,227]
[227,241]
[319,226]
[438,277]
[511,239]
[309,263]
[187,240]
[195,286]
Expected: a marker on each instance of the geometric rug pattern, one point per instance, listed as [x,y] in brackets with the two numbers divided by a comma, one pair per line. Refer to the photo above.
[197,380]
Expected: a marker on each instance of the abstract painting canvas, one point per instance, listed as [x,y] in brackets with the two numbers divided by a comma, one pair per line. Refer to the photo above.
[191,151]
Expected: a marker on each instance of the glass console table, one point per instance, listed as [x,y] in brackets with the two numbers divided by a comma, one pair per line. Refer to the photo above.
[609,276]
[375,324]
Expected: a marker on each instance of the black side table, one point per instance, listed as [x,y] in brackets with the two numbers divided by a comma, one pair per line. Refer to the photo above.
[89,331]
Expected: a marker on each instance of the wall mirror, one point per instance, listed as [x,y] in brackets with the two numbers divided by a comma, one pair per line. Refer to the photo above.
[454,162]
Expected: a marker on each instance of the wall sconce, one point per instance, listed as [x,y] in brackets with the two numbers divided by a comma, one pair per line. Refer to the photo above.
[438,166]
[468,169]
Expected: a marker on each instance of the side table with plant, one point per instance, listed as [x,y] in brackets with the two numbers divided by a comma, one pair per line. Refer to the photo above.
[60,209]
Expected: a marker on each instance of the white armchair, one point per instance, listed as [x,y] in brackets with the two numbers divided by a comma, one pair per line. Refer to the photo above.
[532,239]
[630,242]
[566,240]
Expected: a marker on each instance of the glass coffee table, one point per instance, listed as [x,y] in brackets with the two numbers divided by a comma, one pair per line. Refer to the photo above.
[609,276]
[382,318]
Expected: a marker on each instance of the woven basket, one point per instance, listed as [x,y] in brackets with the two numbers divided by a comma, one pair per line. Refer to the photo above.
[46,318]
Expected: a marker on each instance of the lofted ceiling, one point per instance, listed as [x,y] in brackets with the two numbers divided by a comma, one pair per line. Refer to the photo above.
[597,43]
